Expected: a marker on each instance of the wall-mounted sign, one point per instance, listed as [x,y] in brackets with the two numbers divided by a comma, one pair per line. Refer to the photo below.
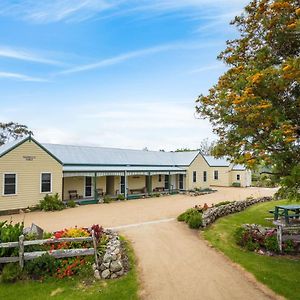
[29,158]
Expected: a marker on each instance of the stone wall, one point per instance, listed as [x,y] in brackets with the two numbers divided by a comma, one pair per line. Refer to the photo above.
[114,262]
[210,215]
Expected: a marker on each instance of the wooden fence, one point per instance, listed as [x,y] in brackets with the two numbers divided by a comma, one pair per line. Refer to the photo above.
[60,253]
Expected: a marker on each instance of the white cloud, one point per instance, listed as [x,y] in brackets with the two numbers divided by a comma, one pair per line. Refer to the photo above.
[135,54]
[216,66]
[20,77]
[21,54]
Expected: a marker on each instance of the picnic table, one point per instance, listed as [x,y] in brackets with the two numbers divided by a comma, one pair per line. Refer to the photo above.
[287,211]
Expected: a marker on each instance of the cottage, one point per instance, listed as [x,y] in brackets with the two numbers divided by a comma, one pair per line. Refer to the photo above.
[30,170]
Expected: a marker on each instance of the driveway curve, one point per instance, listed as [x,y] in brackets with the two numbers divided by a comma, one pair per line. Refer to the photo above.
[173,261]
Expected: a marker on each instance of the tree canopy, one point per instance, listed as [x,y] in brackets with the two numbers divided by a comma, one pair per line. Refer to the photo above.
[11,131]
[255,105]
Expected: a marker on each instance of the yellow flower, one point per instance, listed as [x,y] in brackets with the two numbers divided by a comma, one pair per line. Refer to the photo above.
[292,26]
[256,78]
[298,11]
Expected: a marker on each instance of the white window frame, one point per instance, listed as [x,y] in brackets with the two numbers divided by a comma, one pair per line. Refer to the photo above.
[16,184]
[216,172]
[51,178]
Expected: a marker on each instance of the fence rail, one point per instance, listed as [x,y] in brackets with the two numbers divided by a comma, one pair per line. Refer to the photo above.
[59,253]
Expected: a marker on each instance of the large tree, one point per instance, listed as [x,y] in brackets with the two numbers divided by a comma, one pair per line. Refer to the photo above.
[12,131]
[255,106]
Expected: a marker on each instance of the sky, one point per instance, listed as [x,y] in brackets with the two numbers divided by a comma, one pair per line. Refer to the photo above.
[114,73]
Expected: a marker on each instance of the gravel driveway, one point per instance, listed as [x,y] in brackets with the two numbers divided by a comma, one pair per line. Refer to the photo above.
[174,262]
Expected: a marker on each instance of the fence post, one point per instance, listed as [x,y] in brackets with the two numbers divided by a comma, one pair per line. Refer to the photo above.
[21,251]
[95,248]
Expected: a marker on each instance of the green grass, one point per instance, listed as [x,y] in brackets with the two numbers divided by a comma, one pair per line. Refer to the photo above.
[123,288]
[281,274]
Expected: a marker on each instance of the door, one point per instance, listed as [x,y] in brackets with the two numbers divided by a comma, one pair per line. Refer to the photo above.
[180,181]
[122,185]
[167,179]
[88,187]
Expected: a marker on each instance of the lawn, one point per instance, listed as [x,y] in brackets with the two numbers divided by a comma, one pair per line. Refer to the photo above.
[281,274]
[76,287]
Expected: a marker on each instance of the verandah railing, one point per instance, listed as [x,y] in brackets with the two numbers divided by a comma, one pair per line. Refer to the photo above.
[58,253]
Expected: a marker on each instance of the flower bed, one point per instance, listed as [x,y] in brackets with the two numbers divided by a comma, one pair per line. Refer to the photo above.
[263,240]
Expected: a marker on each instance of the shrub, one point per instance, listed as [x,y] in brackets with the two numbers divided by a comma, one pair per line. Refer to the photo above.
[289,246]
[11,272]
[195,221]
[41,266]
[10,233]
[236,184]
[121,197]
[71,203]
[106,199]
[223,203]
[246,239]
[51,203]
[184,217]
[271,243]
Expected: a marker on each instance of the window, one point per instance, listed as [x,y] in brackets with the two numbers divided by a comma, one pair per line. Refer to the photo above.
[159,178]
[181,181]
[46,186]
[204,176]
[238,177]
[216,175]
[10,184]
[167,182]
[88,190]
[194,176]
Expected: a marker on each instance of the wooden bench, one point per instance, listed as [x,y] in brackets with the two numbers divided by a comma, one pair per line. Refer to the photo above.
[159,189]
[73,194]
[138,191]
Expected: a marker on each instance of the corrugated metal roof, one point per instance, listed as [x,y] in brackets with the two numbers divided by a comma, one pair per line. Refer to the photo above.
[84,155]
[217,162]
[238,168]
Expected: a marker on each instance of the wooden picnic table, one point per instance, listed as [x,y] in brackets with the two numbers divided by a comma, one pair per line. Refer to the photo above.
[287,211]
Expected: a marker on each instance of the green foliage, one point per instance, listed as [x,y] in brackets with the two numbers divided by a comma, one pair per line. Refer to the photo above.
[11,272]
[107,199]
[195,221]
[71,203]
[223,203]
[290,185]
[10,233]
[41,266]
[121,197]
[254,106]
[192,217]
[236,184]
[51,203]
[271,243]
[289,247]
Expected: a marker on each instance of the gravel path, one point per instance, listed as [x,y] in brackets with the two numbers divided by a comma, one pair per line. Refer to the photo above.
[173,261]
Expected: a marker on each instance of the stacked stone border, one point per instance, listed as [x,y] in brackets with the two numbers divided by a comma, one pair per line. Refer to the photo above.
[114,263]
[210,215]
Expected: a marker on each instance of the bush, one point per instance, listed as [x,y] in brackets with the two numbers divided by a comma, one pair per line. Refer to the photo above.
[223,203]
[184,217]
[71,203]
[236,184]
[51,203]
[289,246]
[244,238]
[10,233]
[106,199]
[121,197]
[11,272]
[195,221]
[41,266]
[271,243]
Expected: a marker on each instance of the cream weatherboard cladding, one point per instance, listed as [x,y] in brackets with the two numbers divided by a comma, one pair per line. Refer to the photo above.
[28,161]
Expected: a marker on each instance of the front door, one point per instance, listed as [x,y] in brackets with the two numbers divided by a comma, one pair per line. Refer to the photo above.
[180,181]
[122,185]
[167,179]
[88,187]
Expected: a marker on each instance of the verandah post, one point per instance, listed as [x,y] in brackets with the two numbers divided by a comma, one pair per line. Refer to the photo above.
[125,185]
[21,251]
[95,187]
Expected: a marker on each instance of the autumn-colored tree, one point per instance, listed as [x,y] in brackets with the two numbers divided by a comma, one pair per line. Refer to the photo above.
[255,106]
[11,131]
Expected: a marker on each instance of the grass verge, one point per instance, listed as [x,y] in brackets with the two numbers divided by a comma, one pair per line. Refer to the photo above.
[81,287]
[279,273]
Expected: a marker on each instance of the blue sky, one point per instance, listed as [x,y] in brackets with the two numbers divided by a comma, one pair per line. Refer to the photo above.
[120,73]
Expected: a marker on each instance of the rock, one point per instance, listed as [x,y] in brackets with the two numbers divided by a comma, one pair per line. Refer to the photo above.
[116,266]
[27,210]
[102,267]
[106,265]
[107,258]
[114,257]
[120,273]
[113,276]
[105,274]
[97,274]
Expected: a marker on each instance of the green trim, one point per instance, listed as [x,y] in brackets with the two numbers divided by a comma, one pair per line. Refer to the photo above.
[30,138]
